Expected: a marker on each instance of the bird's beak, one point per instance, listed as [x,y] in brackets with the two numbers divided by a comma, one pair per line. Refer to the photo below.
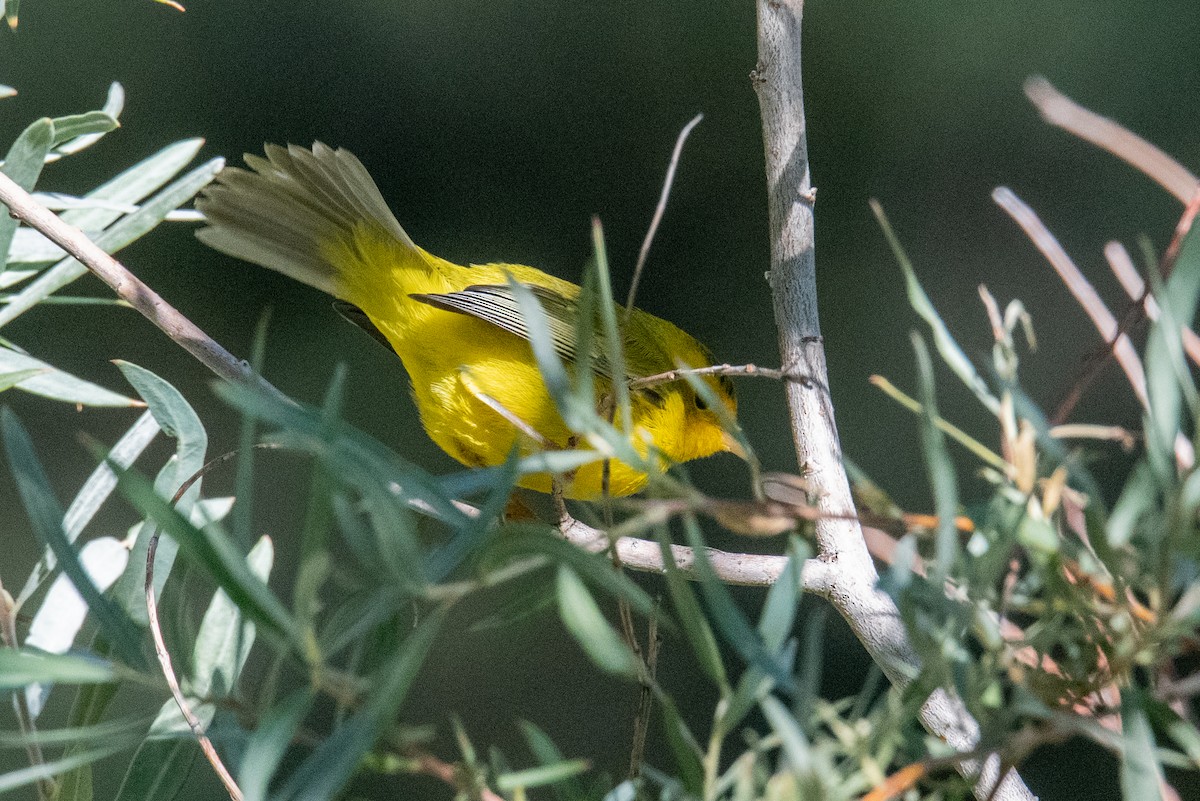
[732,445]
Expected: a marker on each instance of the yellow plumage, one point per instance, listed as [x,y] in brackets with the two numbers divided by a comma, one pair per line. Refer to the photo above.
[318,217]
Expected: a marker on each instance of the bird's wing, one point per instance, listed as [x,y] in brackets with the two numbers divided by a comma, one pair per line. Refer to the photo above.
[496,304]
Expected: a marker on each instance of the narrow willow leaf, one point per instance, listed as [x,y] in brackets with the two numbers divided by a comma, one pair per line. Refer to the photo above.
[11,379]
[795,743]
[114,104]
[161,764]
[52,383]
[943,482]
[23,164]
[728,618]
[46,516]
[332,763]
[128,729]
[19,668]
[216,553]
[691,617]
[61,613]
[1141,773]
[613,340]
[545,541]
[1165,382]
[24,777]
[540,776]
[783,601]
[126,230]
[268,744]
[586,622]
[949,349]
[554,373]
[352,456]
[547,753]
[688,756]
[68,130]
[133,185]
[94,493]
[178,420]
[224,639]
[6,91]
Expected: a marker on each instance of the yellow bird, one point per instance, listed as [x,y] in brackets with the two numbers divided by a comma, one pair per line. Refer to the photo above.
[316,216]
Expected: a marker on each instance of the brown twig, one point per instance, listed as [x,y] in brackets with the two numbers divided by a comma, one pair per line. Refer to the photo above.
[641,719]
[1087,297]
[659,210]
[129,288]
[716,369]
[1060,110]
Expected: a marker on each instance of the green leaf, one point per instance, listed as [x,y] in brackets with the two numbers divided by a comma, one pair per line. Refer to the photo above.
[23,164]
[94,492]
[114,104]
[127,728]
[132,185]
[540,776]
[217,554]
[947,347]
[547,753]
[332,763]
[586,623]
[356,459]
[62,611]
[795,743]
[19,668]
[783,600]
[9,380]
[691,617]
[688,756]
[75,126]
[126,230]
[613,340]
[161,764]
[521,540]
[224,639]
[178,420]
[50,382]
[268,744]
[1141,773]
[34,773]
[1165,380]
[46,516]
[943,482]
[728,617]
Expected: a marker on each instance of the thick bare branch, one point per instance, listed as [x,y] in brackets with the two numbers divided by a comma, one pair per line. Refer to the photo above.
[850,574]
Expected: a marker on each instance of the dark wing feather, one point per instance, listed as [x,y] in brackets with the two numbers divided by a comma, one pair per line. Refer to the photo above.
[359,317]
[496,304]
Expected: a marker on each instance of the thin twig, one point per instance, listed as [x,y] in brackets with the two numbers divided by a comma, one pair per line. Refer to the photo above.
[716,369]
[160,647]
[1122,266]
[1087,296]
[659,210]
[129,288]
[1060,110]
[641,719]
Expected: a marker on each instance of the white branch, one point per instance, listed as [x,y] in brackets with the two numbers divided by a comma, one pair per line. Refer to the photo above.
[850,573]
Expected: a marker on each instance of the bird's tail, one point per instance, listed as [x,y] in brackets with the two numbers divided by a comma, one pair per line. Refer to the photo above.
[314,215]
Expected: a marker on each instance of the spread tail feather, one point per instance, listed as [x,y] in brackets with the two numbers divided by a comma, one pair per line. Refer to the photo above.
[290,208]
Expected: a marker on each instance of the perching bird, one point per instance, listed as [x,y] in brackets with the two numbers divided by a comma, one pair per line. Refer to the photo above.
[318,217]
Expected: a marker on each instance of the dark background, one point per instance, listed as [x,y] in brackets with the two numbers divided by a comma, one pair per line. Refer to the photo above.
[496,129]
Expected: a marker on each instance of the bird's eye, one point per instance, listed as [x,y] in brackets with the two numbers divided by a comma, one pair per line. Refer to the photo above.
[699,401]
